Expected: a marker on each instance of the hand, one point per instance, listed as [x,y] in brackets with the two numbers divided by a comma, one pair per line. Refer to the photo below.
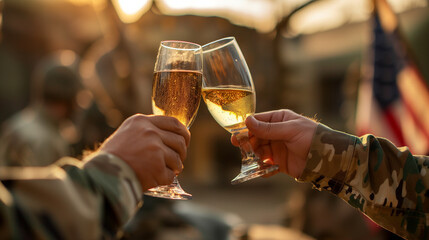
[153,146]
[283,137]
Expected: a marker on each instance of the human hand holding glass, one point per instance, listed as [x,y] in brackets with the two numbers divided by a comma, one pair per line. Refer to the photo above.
[230,97]
[176,92]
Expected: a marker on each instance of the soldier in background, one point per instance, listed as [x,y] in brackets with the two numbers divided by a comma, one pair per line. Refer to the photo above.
[386,183]
[43,132]
[94,198]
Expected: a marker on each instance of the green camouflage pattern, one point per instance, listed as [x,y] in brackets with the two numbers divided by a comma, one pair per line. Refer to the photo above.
[69,200]
[386,183]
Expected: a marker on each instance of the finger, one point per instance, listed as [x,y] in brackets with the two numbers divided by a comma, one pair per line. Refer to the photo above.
[268,130]
[176,142]
[276,116]
[257,142]
[234,141]
[279,155]
[265,154]
[173,161]
[173,125]
[166,178]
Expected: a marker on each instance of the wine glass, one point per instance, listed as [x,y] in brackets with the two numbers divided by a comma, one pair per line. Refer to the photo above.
[176,92]
[230,97]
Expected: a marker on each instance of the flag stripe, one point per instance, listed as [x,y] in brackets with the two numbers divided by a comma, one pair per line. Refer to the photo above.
[416,97]
[394,126]
[396,105]
[417,122]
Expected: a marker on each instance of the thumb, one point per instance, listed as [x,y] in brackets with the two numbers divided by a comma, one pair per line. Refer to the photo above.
[267,130]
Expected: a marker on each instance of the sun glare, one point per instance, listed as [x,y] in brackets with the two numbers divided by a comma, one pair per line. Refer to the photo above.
[329,14]
[131,10]
[259,14]
[262,15]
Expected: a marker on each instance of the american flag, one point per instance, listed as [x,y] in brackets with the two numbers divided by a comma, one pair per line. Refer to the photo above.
[393,99]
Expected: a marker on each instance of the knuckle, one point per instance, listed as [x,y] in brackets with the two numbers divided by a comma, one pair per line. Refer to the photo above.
[288,114]
[135,120]
[150,133]
[269,128]
[156,152]
[176,125]
[285,114]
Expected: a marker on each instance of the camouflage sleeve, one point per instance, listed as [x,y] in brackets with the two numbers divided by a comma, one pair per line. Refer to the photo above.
[73,200]
[388,184]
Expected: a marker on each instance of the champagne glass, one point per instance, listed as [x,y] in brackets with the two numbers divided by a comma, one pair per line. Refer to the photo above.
[176,92]
[229,94]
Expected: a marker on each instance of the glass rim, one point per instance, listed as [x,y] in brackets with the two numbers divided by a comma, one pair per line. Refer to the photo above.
[227,40]
[197,46]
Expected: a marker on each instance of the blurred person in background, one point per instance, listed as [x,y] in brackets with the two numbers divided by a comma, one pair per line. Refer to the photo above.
[43,132]
[386,183]
[93,199]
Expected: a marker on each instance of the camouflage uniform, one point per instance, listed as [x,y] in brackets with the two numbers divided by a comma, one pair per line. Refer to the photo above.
[43,132]
[69,200]
[30,138]
[388,184]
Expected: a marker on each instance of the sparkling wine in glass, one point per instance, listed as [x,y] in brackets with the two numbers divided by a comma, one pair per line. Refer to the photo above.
[176,92]
[230,97]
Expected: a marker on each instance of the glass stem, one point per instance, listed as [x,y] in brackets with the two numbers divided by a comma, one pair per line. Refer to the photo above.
[249,157]
[251,164]
[175,181]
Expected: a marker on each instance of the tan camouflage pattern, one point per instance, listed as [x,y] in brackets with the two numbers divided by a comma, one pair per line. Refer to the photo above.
[69,200]
[30,138]
[388,184]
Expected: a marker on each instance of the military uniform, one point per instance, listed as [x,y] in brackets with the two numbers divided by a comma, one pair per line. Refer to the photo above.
[69,200]
[388,184]
[31,138]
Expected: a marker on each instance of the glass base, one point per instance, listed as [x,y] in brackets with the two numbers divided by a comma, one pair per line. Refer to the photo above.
[172,191]
[253,172]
